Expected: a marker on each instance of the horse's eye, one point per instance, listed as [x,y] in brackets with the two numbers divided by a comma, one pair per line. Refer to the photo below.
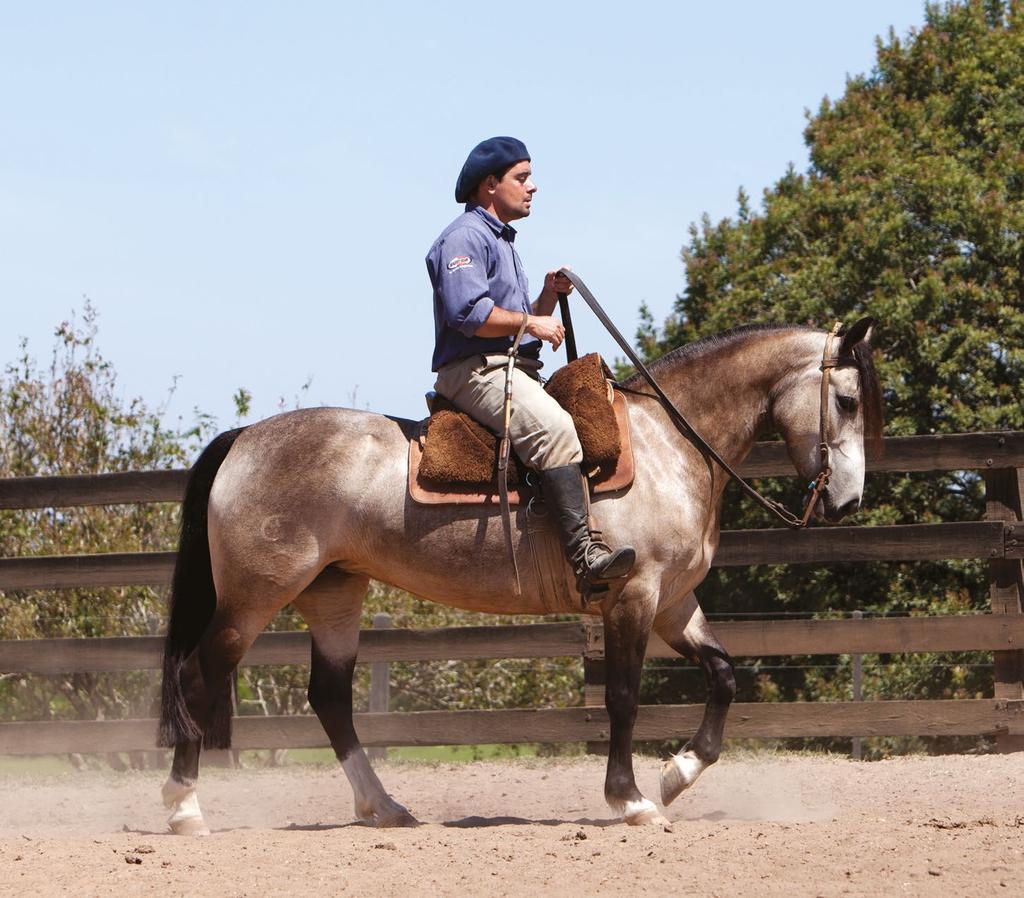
[847,403]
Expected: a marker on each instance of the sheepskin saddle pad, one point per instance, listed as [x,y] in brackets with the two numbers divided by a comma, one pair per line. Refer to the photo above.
[455,459]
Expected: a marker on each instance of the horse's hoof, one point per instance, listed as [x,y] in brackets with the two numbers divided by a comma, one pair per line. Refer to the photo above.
[189,826]
[644,813]
[678,773]
[388,814]
[187,819]
[397,820]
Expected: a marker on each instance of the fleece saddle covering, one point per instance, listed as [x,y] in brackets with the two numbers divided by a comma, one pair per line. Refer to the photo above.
[454,460]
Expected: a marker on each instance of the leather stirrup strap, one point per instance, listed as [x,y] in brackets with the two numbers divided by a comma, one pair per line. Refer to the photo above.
[504,450]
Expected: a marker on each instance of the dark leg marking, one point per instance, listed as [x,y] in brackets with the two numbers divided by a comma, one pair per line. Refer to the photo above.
[627,626]
[330,696]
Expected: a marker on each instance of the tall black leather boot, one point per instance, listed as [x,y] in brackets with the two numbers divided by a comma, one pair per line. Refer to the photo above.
[594,563]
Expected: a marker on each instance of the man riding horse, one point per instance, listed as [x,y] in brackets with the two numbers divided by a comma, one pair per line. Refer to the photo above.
[481,306]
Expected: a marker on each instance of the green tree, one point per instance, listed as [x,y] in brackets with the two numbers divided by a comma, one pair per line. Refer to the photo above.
[911,210]
[70,418]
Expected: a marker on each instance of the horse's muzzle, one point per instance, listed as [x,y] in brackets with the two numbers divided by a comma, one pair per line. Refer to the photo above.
[833,513]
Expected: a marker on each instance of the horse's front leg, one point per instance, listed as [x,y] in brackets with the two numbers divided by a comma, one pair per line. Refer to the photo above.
[685,628]
[627,625]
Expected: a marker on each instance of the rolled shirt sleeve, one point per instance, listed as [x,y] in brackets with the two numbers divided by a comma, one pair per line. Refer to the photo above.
[461,263]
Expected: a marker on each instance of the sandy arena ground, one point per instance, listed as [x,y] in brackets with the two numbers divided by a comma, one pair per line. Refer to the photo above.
[771,825]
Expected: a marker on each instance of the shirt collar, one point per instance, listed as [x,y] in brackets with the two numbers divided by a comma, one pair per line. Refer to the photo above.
[499,227]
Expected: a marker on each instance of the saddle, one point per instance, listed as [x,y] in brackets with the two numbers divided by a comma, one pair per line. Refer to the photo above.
[454,459]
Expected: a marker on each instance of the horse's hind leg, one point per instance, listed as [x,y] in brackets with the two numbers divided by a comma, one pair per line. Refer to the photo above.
[627,625]
[685,628]
[206,685]
[332,607]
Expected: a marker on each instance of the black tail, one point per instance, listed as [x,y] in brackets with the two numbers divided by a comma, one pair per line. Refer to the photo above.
[193,600]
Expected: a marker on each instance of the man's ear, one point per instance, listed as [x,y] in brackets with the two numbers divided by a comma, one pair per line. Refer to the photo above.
[484,190]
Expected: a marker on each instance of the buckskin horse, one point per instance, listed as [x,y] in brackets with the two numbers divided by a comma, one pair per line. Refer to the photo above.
[307,506]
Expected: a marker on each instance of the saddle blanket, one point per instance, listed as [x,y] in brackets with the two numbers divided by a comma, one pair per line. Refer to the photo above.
[609,477]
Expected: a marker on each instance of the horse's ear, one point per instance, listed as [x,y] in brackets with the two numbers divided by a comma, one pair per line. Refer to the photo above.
[859,333]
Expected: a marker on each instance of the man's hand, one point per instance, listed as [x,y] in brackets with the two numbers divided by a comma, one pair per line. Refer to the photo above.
[546,328]
[555,282]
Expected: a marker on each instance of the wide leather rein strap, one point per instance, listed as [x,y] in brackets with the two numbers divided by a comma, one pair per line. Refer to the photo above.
[684,426]
[570,335]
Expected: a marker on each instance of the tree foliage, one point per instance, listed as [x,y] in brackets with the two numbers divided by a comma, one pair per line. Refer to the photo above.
[70,418]
[911,210]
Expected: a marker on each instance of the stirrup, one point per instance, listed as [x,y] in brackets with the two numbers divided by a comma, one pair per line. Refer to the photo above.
[591,592]
[588,583]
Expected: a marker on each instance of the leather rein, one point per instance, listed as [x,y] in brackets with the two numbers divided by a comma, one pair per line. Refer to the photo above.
[828,362]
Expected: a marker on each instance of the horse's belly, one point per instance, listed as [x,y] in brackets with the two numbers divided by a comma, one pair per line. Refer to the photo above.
[466,563]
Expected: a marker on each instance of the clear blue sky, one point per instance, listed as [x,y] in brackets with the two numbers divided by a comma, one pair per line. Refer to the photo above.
[246,191]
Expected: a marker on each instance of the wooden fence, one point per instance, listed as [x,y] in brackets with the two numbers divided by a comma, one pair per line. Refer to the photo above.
[998,456]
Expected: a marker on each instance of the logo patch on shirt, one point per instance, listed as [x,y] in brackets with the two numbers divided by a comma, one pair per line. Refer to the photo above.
[460,262]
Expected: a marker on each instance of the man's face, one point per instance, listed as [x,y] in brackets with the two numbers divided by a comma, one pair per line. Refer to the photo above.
[514,193]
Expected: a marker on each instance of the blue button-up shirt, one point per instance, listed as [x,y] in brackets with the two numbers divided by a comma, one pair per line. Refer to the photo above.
[474,267]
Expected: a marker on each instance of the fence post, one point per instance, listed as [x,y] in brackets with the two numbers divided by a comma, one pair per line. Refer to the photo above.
[1004,496]
[594,675]
[855,746]
[380,687]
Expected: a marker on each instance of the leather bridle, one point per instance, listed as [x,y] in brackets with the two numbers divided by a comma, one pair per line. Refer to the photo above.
[817,486]
[828,362]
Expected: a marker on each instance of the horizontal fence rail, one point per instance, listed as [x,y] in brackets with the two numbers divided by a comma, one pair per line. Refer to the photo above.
[991,717]
[939,452]
[93,489]
[738,548]
[977,632]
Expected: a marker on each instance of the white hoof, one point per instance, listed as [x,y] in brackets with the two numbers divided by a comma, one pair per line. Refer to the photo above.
[678,773]
[188,826]
[186,818]
[643,813]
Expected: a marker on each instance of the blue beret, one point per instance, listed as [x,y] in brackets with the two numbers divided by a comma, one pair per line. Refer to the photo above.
[489,157]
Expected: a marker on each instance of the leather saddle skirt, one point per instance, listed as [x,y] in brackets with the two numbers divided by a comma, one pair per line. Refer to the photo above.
[453,460]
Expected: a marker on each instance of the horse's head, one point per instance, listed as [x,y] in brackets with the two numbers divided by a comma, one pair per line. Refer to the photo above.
[851,413]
